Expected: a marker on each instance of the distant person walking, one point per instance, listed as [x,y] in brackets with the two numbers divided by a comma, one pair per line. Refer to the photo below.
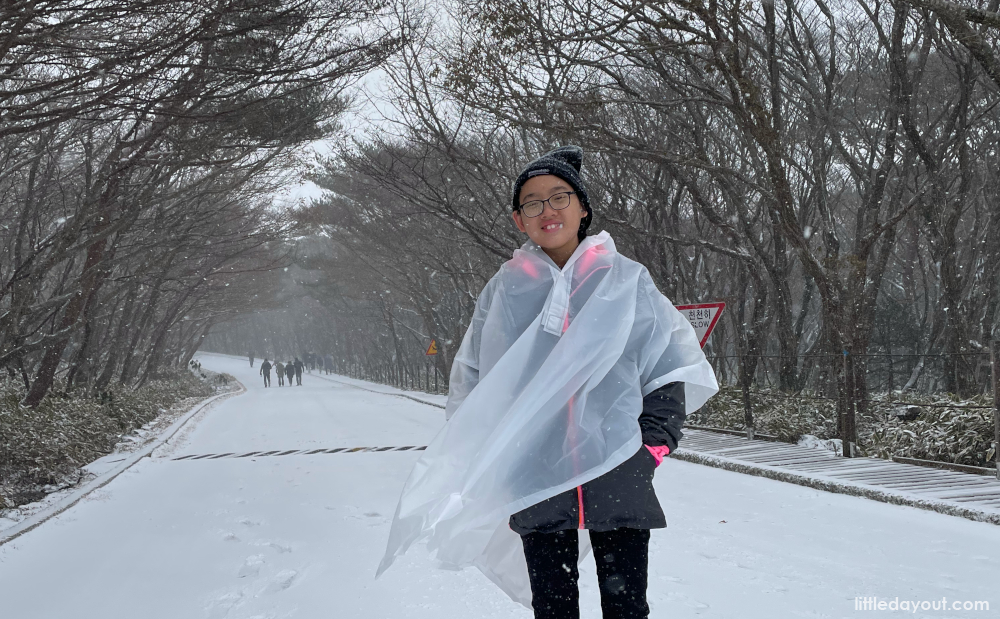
[328,364]
[251,358]
[265,371]
[280,369]
[298,372]
[290,372]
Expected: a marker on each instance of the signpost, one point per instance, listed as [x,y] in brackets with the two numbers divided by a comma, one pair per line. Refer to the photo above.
[431,351]
[703,317]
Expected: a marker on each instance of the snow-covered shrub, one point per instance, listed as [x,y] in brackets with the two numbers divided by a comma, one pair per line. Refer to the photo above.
[779,414]
[41,446]
[943,432]
[833,445]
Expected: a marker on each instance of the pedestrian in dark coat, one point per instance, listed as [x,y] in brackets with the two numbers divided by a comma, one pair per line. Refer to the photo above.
[298,372]
[265,371]
[290,372]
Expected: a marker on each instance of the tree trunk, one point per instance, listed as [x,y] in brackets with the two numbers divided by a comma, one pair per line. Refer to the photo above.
[90,280]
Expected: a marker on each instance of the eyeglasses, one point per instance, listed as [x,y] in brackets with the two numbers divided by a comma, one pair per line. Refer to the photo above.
[558,201]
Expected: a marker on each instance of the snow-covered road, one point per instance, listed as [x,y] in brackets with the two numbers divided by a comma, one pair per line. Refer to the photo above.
[301,535]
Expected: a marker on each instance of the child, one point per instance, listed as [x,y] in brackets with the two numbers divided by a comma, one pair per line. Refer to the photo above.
[571,385]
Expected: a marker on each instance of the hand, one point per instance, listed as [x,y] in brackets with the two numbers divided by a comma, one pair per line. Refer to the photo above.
[658,452]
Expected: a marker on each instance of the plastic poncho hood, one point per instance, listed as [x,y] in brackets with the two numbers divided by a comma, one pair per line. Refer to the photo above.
[545,395]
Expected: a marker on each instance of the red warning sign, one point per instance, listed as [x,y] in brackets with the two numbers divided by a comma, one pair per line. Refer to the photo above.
[703,317]
[432,349]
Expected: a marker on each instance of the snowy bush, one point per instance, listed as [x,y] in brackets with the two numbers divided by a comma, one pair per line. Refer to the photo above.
[776,413]
[44,446]
[942,431]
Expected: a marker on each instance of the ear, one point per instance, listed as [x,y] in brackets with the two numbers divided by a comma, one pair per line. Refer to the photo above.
[518,221]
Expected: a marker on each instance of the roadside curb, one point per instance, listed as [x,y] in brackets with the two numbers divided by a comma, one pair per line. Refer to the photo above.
[836,486]
[396,393]
[35,520]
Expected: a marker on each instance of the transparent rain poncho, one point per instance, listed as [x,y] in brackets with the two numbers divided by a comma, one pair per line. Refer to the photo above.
[546,392]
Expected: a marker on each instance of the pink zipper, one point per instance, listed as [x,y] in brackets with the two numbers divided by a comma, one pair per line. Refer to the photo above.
[576,465]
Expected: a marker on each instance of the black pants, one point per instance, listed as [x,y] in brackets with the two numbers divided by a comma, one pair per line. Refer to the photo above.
[622,560]
[267,379]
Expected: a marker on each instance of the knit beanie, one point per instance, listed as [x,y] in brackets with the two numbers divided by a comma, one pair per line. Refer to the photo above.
[563,162]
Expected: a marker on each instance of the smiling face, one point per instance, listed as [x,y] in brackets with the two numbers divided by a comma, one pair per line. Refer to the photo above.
[554,231]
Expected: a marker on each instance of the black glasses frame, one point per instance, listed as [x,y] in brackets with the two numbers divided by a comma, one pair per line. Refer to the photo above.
[547,201]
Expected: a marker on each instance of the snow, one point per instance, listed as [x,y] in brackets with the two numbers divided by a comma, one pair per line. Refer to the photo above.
[829,444]
[127,452]
[301,535]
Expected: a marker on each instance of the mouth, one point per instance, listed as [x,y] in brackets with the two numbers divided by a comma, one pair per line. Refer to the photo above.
[552,227]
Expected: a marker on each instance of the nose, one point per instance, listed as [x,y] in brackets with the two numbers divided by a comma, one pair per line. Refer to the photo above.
[547,208]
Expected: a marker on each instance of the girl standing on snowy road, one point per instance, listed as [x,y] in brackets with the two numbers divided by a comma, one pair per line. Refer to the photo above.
[571,385]
[618,508]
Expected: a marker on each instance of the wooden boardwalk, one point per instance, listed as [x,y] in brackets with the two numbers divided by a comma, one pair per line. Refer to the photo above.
[961,494]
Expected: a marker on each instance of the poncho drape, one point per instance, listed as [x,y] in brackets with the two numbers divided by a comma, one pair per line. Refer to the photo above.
[545,394]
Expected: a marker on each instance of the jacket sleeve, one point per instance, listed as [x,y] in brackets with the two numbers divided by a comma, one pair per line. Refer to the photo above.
[663,415]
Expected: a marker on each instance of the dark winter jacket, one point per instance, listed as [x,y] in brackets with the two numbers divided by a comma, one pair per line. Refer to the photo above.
[298,368]
[290,370]
[265,368]
[624,496]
